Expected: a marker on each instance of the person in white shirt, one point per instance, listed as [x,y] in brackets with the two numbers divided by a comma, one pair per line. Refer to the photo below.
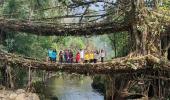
[82,55]
[96,56]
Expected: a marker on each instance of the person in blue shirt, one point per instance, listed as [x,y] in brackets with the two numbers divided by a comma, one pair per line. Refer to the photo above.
[54,55]
[50,55]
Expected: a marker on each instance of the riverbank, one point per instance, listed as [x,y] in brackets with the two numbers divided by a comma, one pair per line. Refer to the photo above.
[19,94]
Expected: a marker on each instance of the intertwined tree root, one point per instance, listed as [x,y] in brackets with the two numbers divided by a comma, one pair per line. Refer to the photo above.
[122,65]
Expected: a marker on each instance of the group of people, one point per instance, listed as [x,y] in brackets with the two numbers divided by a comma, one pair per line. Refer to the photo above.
[82,56]
[92,56]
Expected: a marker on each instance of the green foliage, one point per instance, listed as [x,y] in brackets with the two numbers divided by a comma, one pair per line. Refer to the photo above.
[74,42]
[36,46]
[164,8]
[64,2]
[28,45]
[20,77]
[15,9]
[11,7]
[120,43]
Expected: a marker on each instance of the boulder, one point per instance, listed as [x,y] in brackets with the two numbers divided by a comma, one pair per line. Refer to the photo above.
[33,96]
[2,95]
[27,96]
[20,91]
[2,87]
[13,96]
[21,96]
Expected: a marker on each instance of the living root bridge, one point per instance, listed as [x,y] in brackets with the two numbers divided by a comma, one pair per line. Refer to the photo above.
[61,29]
[121,65]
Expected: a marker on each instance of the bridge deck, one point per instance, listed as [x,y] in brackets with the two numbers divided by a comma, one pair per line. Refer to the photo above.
[120,65]
[61,29]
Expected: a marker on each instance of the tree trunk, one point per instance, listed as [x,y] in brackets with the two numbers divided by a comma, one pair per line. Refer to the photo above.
[146,29]
[4,75]
[110,88]
[10,80]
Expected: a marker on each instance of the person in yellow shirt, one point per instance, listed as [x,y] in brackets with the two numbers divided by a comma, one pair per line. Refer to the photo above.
[86,57]
[91,56]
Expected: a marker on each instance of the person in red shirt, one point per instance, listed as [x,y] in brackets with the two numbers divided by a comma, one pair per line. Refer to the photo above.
[77,57]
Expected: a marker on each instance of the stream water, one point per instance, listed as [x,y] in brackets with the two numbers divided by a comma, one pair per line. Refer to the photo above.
[70,87]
